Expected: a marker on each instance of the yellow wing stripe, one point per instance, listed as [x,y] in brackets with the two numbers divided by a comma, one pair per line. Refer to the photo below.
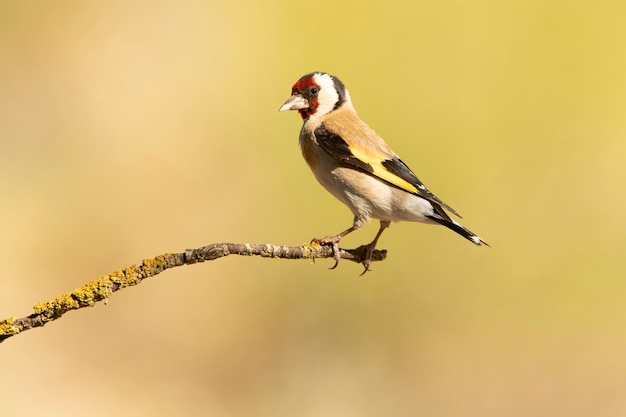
[380,171]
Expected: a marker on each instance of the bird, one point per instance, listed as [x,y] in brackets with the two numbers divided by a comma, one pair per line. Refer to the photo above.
[352,162]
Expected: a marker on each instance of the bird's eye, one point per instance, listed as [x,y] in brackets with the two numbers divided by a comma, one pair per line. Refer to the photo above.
[314,90]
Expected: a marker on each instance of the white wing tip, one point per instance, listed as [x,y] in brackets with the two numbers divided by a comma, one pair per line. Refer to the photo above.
[478,241]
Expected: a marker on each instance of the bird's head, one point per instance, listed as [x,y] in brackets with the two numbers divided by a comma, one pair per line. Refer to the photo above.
[317,94]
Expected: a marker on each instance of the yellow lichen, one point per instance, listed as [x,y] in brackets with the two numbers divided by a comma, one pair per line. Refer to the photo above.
[307,250]
[84,296]
[132,276]
[7,328]
[96,290]
[153,266]
[312,245]
[116,277]
[100,288]
[126,277]
[57,306]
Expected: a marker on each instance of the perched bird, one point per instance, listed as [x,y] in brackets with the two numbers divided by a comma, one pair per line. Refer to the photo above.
[354,164]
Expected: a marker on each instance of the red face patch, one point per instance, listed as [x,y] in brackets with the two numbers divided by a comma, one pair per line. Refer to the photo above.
[302,84]
[304,88]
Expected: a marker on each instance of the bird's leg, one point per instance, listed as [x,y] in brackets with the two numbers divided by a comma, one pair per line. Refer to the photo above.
[334,241]
[371,246]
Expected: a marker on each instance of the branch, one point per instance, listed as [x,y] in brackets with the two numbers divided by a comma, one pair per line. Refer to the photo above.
[101,289]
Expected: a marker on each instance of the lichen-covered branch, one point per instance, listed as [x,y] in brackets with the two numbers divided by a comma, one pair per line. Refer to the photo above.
[101,289]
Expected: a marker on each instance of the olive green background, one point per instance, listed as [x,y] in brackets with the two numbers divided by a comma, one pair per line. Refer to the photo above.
[134,128]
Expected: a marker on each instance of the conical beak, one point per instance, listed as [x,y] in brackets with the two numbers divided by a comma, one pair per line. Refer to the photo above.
[295,102]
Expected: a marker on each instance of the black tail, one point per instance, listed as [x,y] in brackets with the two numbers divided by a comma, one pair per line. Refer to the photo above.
[466,233]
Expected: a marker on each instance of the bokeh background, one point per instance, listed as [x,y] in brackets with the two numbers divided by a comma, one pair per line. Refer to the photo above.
[134,128]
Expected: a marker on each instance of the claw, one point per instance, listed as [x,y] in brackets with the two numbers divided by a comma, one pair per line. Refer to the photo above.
[369,253]
[336,256]
[334,242]
[369,248]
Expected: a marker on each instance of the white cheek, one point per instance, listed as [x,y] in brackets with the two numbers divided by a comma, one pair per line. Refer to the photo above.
[328,96]
[326,100]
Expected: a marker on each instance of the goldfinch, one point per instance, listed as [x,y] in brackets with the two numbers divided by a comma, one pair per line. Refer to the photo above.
[355,165]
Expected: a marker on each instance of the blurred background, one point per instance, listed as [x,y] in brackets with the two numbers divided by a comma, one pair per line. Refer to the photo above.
[133,128]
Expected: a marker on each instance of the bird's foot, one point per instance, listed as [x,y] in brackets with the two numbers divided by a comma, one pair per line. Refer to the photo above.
[332,241]
[367,259]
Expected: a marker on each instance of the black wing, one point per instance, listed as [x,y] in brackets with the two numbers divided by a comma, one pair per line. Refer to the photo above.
[393,171]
